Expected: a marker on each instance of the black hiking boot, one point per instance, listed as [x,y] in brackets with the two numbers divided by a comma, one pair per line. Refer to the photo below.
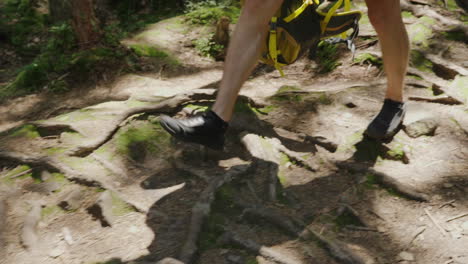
[388,122]
[207,129]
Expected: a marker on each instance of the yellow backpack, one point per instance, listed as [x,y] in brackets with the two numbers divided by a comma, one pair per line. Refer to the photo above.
[299,26]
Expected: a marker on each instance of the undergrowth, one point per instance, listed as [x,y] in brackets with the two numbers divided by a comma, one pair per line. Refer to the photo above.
[327,57]
[51,58]
[209,11]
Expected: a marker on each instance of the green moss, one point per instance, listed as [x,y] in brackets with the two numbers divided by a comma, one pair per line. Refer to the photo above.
[148,51]
[22,168]
[49,211]
[421,32]
[201,108]
[460,86]
[55,151]
[143,136]
[59,177]
[406,14]
[455,35]
[419,61]
[265,110]
[283,94]
[367,58]
[120,207]
[324,99]
[396,153]
[27,131]
[287,88]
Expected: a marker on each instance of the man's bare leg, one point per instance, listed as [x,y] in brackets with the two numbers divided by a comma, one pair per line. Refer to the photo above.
[244,52]
[385,16]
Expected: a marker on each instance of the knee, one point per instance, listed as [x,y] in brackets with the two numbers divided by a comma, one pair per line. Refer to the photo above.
[383,12]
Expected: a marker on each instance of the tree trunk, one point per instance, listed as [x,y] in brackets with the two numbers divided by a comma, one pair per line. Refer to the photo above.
[85,23]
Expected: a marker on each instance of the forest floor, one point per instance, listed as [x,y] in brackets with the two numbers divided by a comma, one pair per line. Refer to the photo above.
[90,177]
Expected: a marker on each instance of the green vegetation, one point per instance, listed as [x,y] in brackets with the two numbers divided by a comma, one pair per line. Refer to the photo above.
[207,47]
[209,11]
[407,14]
[148,51]
[327,57]
[49,53]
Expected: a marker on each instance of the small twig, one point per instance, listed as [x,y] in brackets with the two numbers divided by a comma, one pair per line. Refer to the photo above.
[442,231]
[361,228]
[250,245]
[377,215]
[418,232]
[456,217]
[21,174]
[447,203]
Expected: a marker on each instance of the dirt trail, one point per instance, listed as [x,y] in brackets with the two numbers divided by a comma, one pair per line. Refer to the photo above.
[296,183]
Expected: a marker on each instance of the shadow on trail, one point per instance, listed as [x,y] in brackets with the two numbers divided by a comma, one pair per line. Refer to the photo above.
[318,200]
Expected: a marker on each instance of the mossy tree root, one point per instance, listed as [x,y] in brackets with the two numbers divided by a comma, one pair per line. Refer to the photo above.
[49,164]
[167,106]
[201,210]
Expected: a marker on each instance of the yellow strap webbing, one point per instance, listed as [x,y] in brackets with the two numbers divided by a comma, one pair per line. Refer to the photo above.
[273,47]
[347,8]
[299,11]
[329,15]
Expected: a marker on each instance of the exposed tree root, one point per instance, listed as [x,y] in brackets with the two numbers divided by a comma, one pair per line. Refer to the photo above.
[166,106]
[52,164]
[294,227]
[49,163]
[230,237]
[451,69]
[269,149]
[386,181]
[444,99]
[115,169]
[419,11]
[202,209]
